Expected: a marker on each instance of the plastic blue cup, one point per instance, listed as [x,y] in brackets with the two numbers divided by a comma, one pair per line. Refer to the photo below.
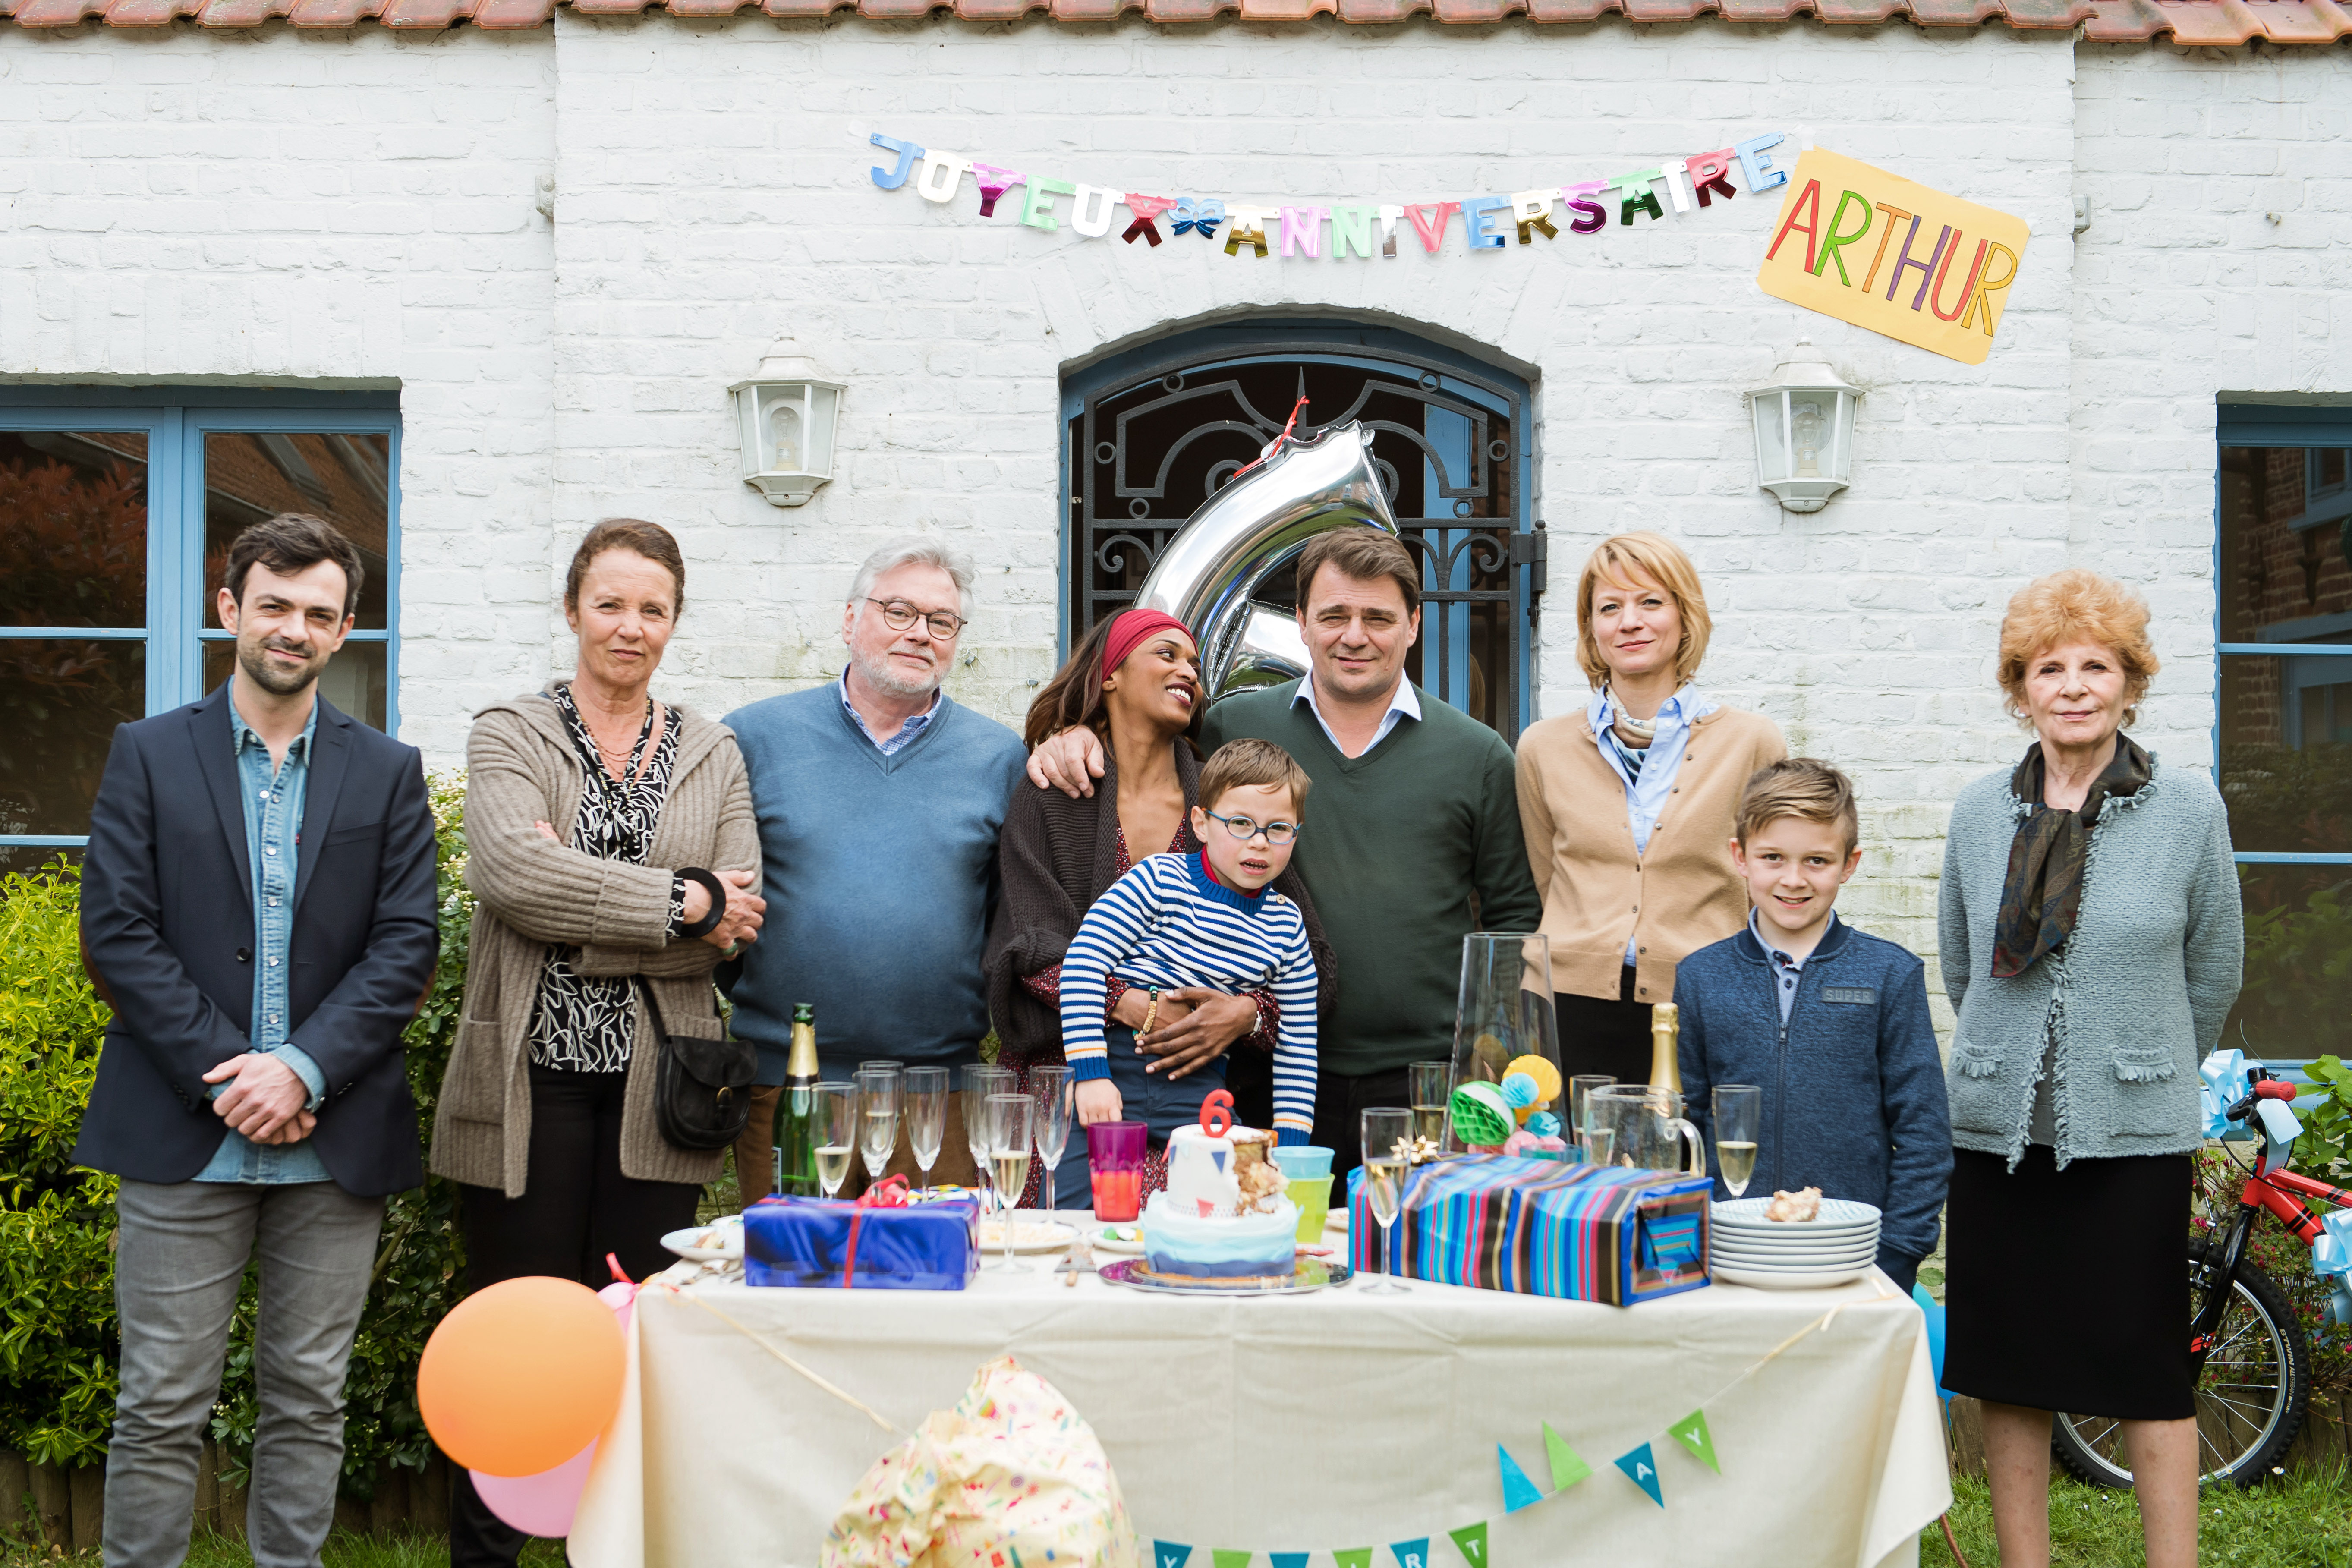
[1303,1162]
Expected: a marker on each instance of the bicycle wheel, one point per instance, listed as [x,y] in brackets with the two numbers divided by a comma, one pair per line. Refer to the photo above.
[2250,1400]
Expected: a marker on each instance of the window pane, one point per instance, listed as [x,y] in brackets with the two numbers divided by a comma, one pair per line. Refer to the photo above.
[27,861]
[73,529]
[2297,997]
[346,479]
[59,702]
[2286,752]
[354,679]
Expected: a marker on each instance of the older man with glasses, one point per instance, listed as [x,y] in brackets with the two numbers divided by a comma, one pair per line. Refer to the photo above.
[880,800]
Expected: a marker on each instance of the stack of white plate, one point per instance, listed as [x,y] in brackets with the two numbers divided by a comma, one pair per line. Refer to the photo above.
[1746,1249]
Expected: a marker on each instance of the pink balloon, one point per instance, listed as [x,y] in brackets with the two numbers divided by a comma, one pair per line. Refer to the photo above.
[621,1297]
[542,1504]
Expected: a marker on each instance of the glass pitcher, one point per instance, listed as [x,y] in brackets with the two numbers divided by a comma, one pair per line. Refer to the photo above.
[1503,1012]
[1646,1127]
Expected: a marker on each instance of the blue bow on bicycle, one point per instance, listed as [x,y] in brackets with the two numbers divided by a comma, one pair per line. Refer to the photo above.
[2331,1253]
[1196,217]
[2225,1084]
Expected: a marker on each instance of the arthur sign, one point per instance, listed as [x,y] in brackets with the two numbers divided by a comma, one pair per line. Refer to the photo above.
[1889,254]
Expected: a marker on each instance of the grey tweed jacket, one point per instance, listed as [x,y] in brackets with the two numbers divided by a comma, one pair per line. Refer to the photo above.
[2135,998]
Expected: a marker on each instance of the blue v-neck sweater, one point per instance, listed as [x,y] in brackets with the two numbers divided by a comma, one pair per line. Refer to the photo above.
[879,873]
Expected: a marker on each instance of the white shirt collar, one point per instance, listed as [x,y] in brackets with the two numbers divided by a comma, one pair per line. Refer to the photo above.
[1402,704]
[1780,958]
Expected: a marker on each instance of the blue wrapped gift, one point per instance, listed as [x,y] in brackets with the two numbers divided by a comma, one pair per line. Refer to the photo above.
[827,1243]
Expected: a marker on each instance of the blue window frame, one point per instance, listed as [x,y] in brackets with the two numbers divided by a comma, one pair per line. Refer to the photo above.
[2283,718]
[117,508]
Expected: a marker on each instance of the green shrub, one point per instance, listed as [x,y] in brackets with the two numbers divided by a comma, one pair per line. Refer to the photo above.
[59,1342]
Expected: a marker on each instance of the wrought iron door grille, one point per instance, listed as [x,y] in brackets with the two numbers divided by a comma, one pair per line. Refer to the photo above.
[1144,453]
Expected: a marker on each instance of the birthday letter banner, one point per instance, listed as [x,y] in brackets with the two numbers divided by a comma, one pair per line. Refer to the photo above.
[1891,255]
[1361,229]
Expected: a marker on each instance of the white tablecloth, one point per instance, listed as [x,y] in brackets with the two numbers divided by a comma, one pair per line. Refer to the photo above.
[1298,1424]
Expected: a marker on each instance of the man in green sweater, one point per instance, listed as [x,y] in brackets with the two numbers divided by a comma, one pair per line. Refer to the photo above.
[1414,841]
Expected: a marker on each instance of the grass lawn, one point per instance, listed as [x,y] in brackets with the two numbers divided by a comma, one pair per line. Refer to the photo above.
[2299,1521]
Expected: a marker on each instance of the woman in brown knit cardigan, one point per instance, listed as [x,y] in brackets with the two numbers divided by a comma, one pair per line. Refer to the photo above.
[612,847]
[1135,682]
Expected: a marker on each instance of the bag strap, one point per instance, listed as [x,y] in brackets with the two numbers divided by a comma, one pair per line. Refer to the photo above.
[645,989]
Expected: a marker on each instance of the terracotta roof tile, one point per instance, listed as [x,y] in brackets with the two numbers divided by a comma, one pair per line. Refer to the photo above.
[2188,22]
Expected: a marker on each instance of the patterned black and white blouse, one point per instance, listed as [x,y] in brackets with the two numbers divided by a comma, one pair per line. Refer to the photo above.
[588,1023]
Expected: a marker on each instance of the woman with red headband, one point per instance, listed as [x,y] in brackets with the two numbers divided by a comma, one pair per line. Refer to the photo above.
[1135,682]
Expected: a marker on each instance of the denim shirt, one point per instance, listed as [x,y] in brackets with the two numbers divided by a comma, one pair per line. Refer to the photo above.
[890,745]
[1648,790]
[273,818]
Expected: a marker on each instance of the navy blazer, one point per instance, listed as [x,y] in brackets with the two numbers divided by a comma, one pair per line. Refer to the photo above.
[167,924]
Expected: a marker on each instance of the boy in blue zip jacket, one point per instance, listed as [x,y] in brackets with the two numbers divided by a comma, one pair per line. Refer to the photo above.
[1833,1024]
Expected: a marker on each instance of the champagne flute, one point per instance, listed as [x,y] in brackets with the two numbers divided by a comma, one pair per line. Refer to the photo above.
[1010,1120]
[1387,1135]
[1050,1086]
[923,1104]
[877,1135]
[1579,1097]
[1432,1083]
[979,1081]
[1738,1112]
[835,1126]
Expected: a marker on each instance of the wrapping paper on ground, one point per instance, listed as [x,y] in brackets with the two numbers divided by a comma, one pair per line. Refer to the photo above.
[808,1242]
[1542,1227]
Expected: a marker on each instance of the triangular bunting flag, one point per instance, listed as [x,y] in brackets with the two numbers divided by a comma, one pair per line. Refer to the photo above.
[1287,1559]
[1353,1557]
[1691,1433]
[1169,1554]
[1229,1558]
[1568,1466]
[1643,1470]
[1412,1554]
[1472,1540]
[1518,1493]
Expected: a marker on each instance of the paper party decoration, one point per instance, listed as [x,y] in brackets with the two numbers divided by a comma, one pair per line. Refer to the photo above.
[1922,284]
[1224,1559]
[1531,210]
[1353,1557]
[896,174]
[1247,227]
[994,182]
[1287,1559]
[1518,1493]
[1198,216]
[1519,1090]
[1579,199]
[1170,1554]
[1351,229]
[941,175]
[1635,196]
[1642,1469]
[1037,210]
[1412,1554]
[1544,1124]
[1145,208]
[1678,194]
[1477,217]
[1568,1466]
[1761,171]
[1539,1068]
[1429,219]
[1302,231]
[1470,1539]
[1389,217]
[1707,172]
[1094,221]
[1482,1117]
[1691,1433]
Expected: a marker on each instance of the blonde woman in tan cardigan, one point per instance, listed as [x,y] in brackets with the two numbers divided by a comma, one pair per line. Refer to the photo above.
[612,847]
[1628,805]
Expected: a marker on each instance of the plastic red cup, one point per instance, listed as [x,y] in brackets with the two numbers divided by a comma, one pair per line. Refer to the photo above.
[1115,1152]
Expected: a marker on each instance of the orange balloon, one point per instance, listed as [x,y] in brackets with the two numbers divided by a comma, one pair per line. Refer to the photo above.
[521,1376]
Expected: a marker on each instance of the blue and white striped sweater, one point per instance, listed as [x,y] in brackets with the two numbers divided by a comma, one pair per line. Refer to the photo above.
[1168,923]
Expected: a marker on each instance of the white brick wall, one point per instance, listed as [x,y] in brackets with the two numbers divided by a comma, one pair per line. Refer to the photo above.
[356,209]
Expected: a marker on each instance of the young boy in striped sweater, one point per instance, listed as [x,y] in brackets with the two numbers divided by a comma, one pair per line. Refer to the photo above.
[1206,920]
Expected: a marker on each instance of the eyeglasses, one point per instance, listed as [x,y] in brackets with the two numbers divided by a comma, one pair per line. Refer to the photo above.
[1247,827]
[901,616]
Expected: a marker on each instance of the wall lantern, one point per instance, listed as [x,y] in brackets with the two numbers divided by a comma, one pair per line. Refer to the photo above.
[787,412]
[1805,431]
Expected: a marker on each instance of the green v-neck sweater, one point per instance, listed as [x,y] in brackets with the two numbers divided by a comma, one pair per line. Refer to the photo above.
[1405,850]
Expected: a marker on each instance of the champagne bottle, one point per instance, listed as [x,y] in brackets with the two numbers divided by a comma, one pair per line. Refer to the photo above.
[796,1109]
[1666,1047]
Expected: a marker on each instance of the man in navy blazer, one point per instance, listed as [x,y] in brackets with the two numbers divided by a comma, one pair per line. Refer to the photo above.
[258,901]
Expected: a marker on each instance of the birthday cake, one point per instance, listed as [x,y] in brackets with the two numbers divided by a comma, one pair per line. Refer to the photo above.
[1222,1217]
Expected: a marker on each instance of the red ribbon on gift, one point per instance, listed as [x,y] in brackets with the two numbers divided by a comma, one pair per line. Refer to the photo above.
[890,1193]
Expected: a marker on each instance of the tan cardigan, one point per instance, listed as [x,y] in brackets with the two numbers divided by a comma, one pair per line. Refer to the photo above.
[1597,892]
[521,769]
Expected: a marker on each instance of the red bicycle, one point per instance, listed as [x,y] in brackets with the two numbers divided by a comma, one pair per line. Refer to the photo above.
[2249,1355]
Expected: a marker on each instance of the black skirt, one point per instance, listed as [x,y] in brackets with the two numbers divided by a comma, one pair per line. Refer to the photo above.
[1600,1034]
[2069,1290]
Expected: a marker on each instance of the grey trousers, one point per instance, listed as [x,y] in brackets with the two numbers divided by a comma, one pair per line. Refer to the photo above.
[180,1256]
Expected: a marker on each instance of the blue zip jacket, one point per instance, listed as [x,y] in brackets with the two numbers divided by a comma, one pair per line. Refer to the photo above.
[1854,1090]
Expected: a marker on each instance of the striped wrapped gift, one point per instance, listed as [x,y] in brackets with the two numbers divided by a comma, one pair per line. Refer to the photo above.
[1542,1228]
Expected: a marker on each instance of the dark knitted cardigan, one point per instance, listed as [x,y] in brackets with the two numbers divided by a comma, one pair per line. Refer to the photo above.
[1056,858]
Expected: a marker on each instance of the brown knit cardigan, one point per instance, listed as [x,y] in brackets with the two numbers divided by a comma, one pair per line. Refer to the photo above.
[1056,857]
[521,769]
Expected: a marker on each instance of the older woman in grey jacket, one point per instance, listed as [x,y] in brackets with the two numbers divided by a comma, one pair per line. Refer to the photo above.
[2092,939]
[613,852]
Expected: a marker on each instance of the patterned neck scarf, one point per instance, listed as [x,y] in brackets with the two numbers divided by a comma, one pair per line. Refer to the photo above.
[2043,893]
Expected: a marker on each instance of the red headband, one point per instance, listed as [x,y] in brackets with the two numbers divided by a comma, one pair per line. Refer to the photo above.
[1130,627]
